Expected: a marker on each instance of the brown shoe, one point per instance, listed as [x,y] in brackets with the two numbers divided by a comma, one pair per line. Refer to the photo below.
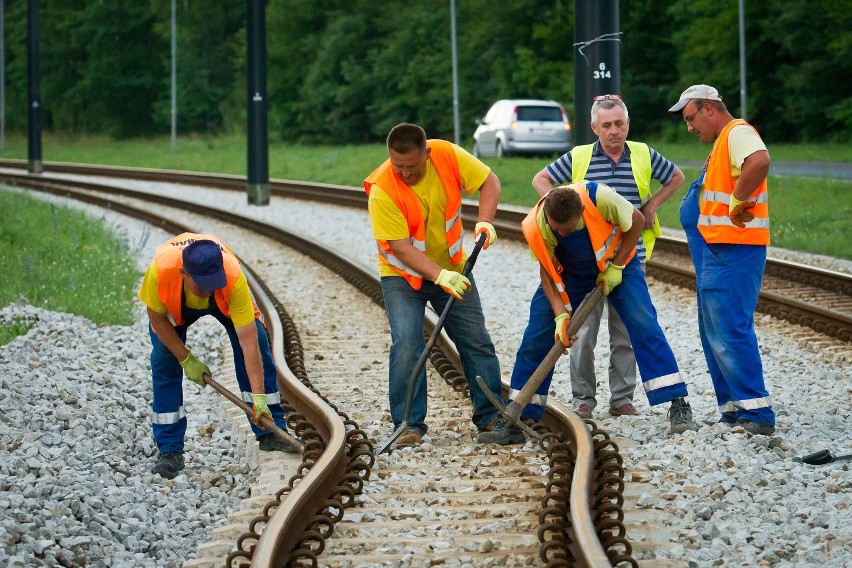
[625,409]
[409,438]
[585,411]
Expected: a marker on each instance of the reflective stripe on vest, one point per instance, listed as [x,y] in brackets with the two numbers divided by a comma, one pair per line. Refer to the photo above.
[713,221]
[169,260]
[640,165]
[445,162]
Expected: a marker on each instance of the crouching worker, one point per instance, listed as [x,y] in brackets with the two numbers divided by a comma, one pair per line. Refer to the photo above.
[187,272]
[582,234]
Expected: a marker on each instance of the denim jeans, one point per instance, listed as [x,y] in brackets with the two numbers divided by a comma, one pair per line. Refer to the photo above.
[464,324]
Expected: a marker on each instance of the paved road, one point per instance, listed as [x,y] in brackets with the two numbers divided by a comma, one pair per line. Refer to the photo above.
[834,170]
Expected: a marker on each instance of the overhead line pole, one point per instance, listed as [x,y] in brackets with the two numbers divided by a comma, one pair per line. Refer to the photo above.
[174,76]
[34,164]
[258,143]
[456,126]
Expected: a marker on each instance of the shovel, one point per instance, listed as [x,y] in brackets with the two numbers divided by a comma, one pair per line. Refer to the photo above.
[823,457]
[513,411]
[265,421]
[415,375]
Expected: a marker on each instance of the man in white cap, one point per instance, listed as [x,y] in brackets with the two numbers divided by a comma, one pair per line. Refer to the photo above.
[726,218]
[187,272]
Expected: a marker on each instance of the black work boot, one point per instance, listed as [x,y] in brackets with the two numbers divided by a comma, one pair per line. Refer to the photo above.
[758,428]
[272,443]
[503,433]
[680,417]
[168,465]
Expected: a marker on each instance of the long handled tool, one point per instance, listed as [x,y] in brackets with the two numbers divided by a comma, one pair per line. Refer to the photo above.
[265,421]
[513,411]
[823,457]
[415,375]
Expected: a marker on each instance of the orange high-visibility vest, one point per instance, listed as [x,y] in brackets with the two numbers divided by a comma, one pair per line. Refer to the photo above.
[446,164]
[713,221]
[605,238]
[169,260]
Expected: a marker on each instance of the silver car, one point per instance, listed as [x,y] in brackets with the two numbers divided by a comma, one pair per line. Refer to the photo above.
[522,126]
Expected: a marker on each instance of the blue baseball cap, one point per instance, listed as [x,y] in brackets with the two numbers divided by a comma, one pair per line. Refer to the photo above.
[203,261]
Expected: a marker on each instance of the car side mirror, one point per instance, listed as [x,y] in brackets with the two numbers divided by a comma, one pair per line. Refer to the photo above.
[479,121]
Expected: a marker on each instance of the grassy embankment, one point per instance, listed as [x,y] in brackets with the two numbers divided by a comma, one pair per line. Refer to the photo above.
[62,260]
[807,213]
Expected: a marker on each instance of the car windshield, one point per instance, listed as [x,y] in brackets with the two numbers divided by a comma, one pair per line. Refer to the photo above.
[539,113]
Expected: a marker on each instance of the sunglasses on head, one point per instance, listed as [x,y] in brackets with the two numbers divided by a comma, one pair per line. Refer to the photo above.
[606,98]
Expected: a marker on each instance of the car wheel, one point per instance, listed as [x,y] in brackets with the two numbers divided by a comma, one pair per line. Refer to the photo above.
[475,151]
[498,151]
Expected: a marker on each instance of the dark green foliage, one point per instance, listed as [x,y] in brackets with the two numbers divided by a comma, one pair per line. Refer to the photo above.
[346,71]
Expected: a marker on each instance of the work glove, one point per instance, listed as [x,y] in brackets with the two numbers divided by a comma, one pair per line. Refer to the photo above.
[562,321]
[260,408]
[485,227]
[195,370]
[611,277]
[738,211]
[453,283]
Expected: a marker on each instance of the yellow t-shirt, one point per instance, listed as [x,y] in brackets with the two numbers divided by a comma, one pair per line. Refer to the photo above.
[612,206]
[241,308]
[743,141]
[389,224]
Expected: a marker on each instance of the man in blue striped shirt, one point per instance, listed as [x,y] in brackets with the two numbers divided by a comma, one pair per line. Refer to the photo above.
[627,167]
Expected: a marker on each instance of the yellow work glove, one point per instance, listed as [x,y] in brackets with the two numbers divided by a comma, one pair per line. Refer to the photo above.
[562,321]
[260,408]
[453,283]
[611,277]
[195,370]
[738,211]
[485,227]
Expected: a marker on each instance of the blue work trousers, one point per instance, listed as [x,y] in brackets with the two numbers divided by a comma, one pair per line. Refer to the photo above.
[169,421]
[630,299]
[464,324]
[728,279]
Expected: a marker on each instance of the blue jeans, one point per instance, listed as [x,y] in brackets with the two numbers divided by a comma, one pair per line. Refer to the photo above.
[728,279]
[169,422]
[464,324]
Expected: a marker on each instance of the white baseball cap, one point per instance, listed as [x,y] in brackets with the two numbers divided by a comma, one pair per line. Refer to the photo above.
[705,92]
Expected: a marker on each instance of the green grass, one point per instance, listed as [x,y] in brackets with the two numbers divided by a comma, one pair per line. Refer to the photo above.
[62,260]
[806,214]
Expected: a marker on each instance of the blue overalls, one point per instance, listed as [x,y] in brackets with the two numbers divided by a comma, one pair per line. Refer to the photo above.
[657,365]
[728,279]
[169,419]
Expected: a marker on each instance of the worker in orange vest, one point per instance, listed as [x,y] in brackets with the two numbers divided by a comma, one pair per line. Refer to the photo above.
[415,210]
[726,218]
[582,234]
[188,271]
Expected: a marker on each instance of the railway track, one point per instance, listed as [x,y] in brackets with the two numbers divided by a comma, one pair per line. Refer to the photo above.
[450,500]
[813,297]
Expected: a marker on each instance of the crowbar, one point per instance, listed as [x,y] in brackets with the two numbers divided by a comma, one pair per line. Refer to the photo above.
[265,421]
[512,412]
[415,375]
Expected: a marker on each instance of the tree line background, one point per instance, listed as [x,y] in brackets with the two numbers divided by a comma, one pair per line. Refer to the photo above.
[345,71]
